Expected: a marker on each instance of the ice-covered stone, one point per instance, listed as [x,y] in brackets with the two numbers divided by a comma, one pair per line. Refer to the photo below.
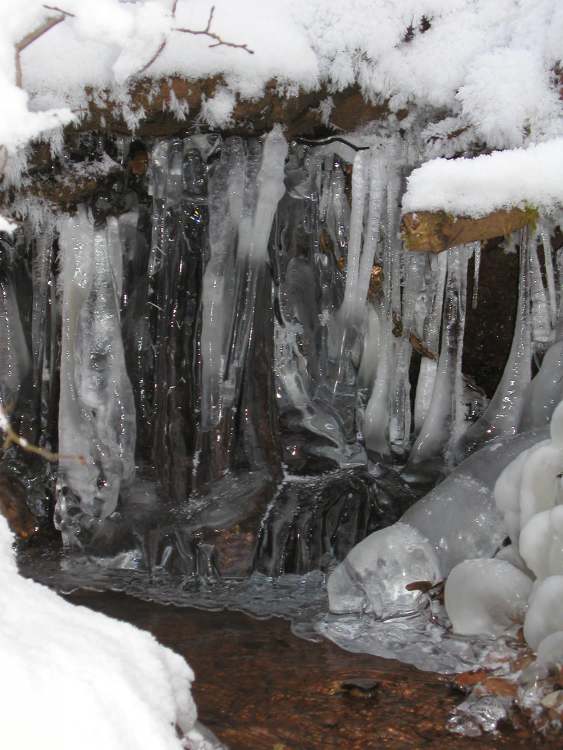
[459,516]
[486,596]
[374,575]
[541,543]
[545,610]
[459,519]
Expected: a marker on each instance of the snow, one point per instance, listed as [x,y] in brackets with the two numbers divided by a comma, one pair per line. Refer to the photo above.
[523,177]
[75,678]
[490,64]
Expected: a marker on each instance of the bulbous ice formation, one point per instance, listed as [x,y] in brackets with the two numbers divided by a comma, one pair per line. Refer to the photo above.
[550,650]
[374,575]
[531,483]
[486,596]
[545,611]
[541,543]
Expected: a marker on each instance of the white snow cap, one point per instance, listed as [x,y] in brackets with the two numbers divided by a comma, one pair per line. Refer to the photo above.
[525,177]
[75,678]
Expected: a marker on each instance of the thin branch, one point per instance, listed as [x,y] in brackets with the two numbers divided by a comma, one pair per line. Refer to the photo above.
[60,10]
[218,41]
[28,39]
[153,58]
[12,438]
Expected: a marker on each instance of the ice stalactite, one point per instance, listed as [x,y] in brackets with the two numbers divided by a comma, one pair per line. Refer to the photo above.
[444,422]
[226,186]
[476,269]
[431,338]
[377,413]
[541,312]
[503,413]
[14,354]
[96,412]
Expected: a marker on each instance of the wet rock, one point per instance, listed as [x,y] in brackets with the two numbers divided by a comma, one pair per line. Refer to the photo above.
[314,520]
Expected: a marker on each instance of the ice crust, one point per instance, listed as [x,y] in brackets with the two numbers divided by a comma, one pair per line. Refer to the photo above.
[374,575]
[486,596]
[121,689]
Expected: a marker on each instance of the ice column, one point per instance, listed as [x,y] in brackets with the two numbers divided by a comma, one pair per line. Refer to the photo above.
[226,187]
[444,421]
[503,413]
[96,412]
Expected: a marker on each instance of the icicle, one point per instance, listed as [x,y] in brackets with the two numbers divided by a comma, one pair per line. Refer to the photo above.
[429,366]
[541,313]
[476,268]
[96,412]
[503,413]
[14,355]
[225,206]
[359,192]
[549,273]
[444,421]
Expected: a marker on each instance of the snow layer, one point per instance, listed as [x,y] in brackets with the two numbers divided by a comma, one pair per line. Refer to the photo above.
[75,678]
[490,64]
[524,177]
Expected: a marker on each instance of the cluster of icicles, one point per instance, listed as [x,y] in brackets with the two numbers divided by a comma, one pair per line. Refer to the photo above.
[259,218]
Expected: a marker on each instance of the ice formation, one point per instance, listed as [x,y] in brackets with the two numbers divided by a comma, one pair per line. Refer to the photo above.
[97,424]
[105,672]
[486,596]
[545,610]
[374,576]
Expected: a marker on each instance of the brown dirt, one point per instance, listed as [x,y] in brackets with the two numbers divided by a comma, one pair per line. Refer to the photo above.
[260,688]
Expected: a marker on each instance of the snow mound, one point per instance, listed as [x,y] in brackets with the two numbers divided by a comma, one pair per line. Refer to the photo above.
[75,678]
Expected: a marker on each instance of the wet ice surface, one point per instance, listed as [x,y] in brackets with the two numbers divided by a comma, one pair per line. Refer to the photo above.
[422,639]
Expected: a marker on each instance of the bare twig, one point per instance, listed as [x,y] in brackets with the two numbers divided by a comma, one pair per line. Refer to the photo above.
[218,41]
[12,438]
[28,39]
[59,10]
[153,58]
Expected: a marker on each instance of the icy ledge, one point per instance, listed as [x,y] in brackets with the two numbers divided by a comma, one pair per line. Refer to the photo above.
[88,681]
[523,177]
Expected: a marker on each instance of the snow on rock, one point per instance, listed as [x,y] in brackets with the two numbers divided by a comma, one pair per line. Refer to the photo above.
[524,177]
[541,543]
[545,611]
[88,681]
[375,573]
[486,596]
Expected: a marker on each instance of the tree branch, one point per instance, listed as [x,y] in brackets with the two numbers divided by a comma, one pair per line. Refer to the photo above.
[12,438]
[218,41]
[28,39]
